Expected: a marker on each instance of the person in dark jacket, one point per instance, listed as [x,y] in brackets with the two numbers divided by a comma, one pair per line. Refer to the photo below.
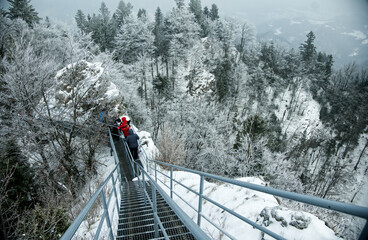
[114,129]
[132,141]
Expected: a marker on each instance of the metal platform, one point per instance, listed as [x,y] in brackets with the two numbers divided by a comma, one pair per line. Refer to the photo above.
[136,221]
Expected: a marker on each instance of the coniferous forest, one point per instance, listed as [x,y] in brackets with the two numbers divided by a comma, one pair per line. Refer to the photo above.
[213,97]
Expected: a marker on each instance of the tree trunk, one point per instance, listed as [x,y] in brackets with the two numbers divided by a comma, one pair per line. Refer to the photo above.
[360,156]
[156,67]
[152,71]
[167,67]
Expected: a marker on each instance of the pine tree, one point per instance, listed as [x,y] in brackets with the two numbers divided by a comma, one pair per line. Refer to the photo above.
[214,12]
[182,29]
[179,4]
[142,13]
[224,79]
[81,21]
[107,29]
[325,63]
[161,42]
[134,39]
[308,49]
[122,13]
[21,185]
[196,8]
[24,10]
[226,34]
[206,12]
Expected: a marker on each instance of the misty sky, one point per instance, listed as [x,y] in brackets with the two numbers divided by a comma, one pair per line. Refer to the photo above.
[255,11]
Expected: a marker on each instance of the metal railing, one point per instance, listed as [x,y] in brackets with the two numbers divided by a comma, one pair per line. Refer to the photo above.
[152,167]
[143,176]
[150,172]
[109,195]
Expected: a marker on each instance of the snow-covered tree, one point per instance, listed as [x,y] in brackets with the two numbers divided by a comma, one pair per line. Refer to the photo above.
[134,39]
[81,21]
[161,41]
[142,13]
[122,13]
[195,7]
[182,31]
[24,10]
[102,27]
[226,34]
[308,49]
[213,14]
[106,28]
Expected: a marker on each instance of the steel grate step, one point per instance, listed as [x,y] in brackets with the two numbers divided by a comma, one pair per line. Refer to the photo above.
[136,221]
[135,224]
[139,204]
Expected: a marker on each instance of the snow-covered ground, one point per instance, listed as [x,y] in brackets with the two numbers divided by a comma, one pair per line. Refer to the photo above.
[264,209]
[301,114]
[261,208]
[90,224]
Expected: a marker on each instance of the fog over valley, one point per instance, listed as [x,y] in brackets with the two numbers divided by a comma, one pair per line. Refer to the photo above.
[341,26]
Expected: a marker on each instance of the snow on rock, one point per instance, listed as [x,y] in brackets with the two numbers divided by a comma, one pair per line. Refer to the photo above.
[294,224]
[298,113]
[83,83]
[146,142]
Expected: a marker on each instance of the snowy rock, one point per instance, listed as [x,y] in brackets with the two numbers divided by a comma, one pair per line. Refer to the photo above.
[82,88]
[284,217]
[299,221]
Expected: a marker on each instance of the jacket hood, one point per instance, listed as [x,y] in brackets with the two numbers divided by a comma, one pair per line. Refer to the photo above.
[130,131]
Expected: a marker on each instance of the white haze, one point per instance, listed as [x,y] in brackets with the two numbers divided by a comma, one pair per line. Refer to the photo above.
[336,23]
[254,11]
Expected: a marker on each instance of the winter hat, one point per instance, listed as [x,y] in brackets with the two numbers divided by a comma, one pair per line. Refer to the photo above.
[123,119]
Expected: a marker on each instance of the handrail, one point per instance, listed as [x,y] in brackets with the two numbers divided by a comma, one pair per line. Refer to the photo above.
[346,208]
[69,234]
[142,175]
[197,232]
[149,172]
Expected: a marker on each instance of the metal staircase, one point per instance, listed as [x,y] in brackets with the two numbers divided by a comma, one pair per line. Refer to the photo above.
[148,210]
[136,218]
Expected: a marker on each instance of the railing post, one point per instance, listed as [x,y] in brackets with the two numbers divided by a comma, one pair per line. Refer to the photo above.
[155,210]
[155,171]
[146,161]
[136,165]
[171,182]
[144,189]
[107,214]
[364,233]
[115,193]
[200,197]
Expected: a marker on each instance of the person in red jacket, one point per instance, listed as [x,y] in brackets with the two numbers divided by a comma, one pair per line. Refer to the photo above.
[124,127]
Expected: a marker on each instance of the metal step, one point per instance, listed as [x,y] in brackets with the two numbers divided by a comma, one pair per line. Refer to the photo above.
[136,221]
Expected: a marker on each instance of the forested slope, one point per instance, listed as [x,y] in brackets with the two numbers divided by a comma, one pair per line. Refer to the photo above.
[214,98]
